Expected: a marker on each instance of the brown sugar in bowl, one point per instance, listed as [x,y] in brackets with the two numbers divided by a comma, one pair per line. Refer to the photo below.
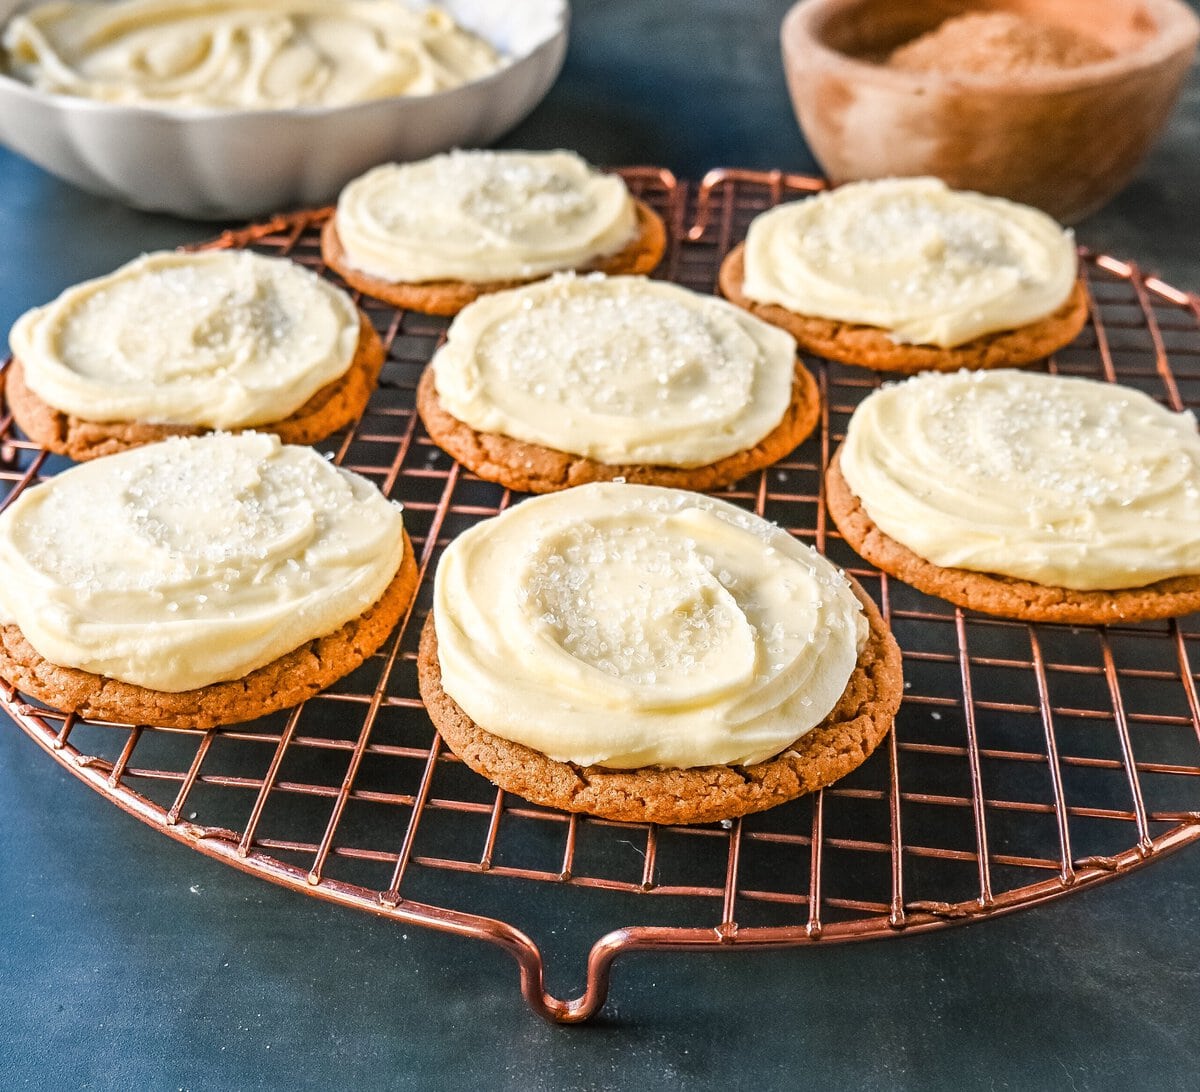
[1064,139]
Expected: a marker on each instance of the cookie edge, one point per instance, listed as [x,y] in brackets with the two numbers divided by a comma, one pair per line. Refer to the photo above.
[872,348]
[80,439]
[640,255]
[683,796]
[291,678]
[518,465]
[1001,596]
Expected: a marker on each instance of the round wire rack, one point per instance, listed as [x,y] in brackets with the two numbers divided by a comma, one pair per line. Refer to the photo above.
[1027,761]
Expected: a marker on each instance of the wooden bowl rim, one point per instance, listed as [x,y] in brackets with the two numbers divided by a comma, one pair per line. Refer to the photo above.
[1178,30]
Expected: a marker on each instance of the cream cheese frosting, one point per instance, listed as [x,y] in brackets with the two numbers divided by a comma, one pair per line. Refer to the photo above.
[221,339]
[237,55]
[931,265]
[194,561]
[1066,482]
[631,626]
[618,369]
[482,216]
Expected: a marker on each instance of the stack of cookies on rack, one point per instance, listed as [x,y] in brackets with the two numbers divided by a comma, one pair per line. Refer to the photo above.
[205,568]
[623,645]
[201,568]
[1020,494]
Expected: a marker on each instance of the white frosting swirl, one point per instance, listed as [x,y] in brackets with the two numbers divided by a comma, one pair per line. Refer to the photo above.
[630,626]
[1065,482]
[193,561]
[222,339]
[238,55]
[930,265]
[483,216]
[619,369]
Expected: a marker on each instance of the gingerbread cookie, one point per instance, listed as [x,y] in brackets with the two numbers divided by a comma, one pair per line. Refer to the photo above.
[1002,595]
[843,741]
[197,581]
[432,236]
[652,655]
[872,347]
[184,343]
[532,468]
[906,275]
[333,407]
[1031,496]
[595,378]
[288,680]
[640,255]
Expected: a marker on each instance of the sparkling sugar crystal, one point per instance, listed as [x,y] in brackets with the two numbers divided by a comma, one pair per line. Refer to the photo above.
[611,600]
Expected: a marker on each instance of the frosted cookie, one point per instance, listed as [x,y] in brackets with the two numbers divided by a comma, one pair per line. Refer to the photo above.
[198,581]
[180,344]
[1025,495]
[649,654]
[433,236]
[906,275]
[579,379]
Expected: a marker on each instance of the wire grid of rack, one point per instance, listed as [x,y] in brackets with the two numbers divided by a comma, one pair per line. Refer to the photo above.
[1027,761]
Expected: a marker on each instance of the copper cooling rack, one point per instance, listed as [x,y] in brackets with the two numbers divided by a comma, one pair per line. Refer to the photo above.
[1028,761]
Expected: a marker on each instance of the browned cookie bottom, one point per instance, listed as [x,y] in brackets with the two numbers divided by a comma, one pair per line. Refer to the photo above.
[871,347]
[640,255]
[332,407]
[531,468]
[1001,595]
[842,741]
[286,681]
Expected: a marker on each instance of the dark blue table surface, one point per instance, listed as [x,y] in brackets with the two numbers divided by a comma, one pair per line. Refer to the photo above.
[130,962]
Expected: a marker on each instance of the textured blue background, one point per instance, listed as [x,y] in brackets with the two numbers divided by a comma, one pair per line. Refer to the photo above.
[129,962]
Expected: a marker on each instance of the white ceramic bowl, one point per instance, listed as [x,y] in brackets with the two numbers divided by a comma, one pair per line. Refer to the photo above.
[224,164]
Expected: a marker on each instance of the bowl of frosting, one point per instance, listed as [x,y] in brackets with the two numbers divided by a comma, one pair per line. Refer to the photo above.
[234,108]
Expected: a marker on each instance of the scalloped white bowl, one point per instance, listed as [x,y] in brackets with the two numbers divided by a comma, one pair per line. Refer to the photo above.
[215,164]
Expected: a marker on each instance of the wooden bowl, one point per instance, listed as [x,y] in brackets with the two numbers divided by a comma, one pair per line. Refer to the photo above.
[1065,140]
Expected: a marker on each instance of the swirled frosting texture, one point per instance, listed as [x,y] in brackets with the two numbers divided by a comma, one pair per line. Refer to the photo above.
[1066,482]
[236,55]
[482,216]
[619,369]
[930,265]
[194,561]
[630,626]
[224,339]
